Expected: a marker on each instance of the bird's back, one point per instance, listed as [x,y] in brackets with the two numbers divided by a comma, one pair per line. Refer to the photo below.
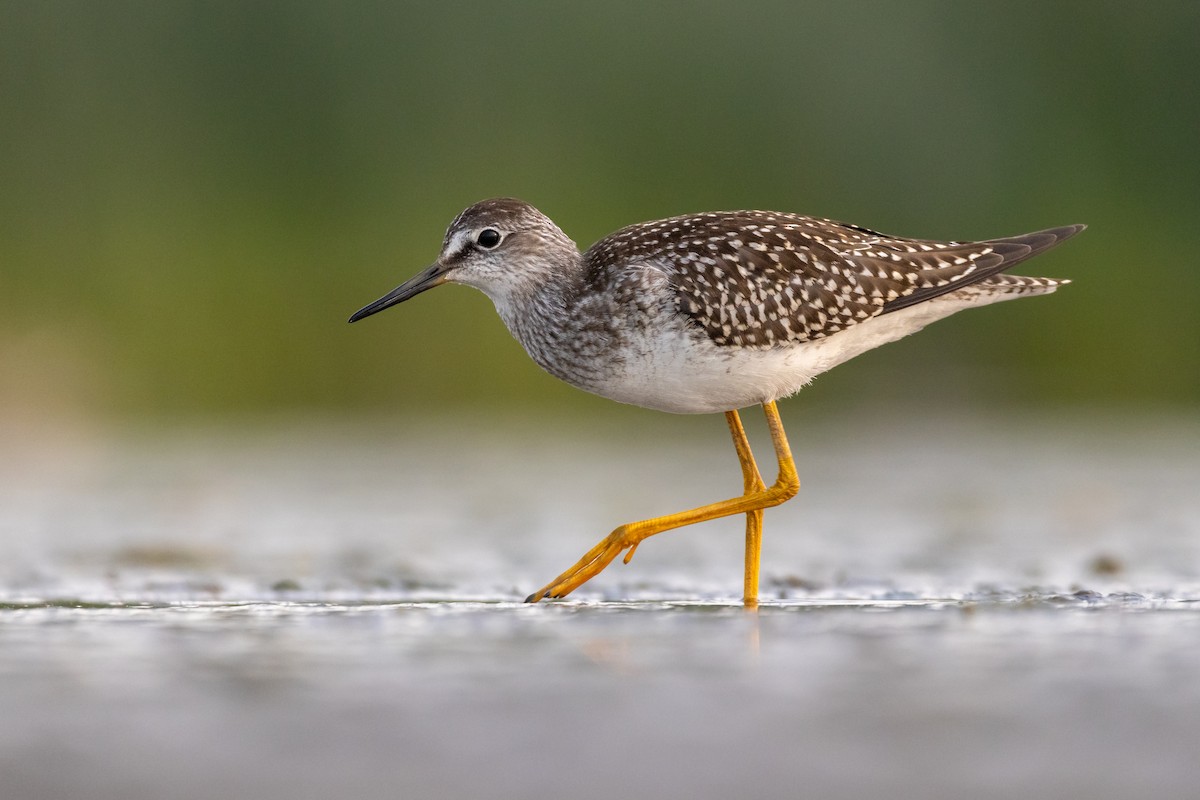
[759,279]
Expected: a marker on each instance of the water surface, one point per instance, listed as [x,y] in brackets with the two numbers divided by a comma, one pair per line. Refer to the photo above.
[970,608]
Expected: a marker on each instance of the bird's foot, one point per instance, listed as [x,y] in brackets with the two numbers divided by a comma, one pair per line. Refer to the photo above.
[592,564]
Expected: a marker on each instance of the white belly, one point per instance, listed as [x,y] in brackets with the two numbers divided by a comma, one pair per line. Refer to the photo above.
[685,374]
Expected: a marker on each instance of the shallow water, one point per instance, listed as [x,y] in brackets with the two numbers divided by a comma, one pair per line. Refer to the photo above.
[968,608]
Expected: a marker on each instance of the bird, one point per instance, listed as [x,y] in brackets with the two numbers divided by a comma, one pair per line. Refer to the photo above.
[712,313]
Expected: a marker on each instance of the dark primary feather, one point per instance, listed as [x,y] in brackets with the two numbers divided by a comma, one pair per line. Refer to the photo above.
[757,278]
[1006,253]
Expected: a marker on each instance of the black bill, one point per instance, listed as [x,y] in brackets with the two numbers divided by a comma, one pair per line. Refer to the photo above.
[426,279]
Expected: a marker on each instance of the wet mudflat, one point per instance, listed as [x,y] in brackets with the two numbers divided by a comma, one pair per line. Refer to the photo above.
[958,610]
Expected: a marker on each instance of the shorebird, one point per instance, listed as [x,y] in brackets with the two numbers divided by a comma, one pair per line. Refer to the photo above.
[713,312]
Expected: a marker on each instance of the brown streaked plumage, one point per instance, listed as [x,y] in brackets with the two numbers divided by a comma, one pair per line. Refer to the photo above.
[760,278]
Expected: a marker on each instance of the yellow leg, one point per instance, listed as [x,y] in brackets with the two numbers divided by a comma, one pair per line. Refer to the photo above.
[627,537]
[752,482]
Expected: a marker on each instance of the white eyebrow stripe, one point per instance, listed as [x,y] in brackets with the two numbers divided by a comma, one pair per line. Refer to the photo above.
[458,244]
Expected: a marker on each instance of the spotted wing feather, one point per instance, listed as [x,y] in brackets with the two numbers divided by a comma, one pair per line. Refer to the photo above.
[754,278]
[1004,254]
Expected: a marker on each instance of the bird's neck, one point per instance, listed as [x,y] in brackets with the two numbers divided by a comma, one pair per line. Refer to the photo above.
[546,316]
[541,307]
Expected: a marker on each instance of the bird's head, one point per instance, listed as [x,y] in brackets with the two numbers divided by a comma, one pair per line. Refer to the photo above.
[502,247]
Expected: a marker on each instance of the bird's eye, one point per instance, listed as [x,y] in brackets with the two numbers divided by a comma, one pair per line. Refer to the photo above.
[488,238]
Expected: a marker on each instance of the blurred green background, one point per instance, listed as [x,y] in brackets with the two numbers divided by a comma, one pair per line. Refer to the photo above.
[196,195]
